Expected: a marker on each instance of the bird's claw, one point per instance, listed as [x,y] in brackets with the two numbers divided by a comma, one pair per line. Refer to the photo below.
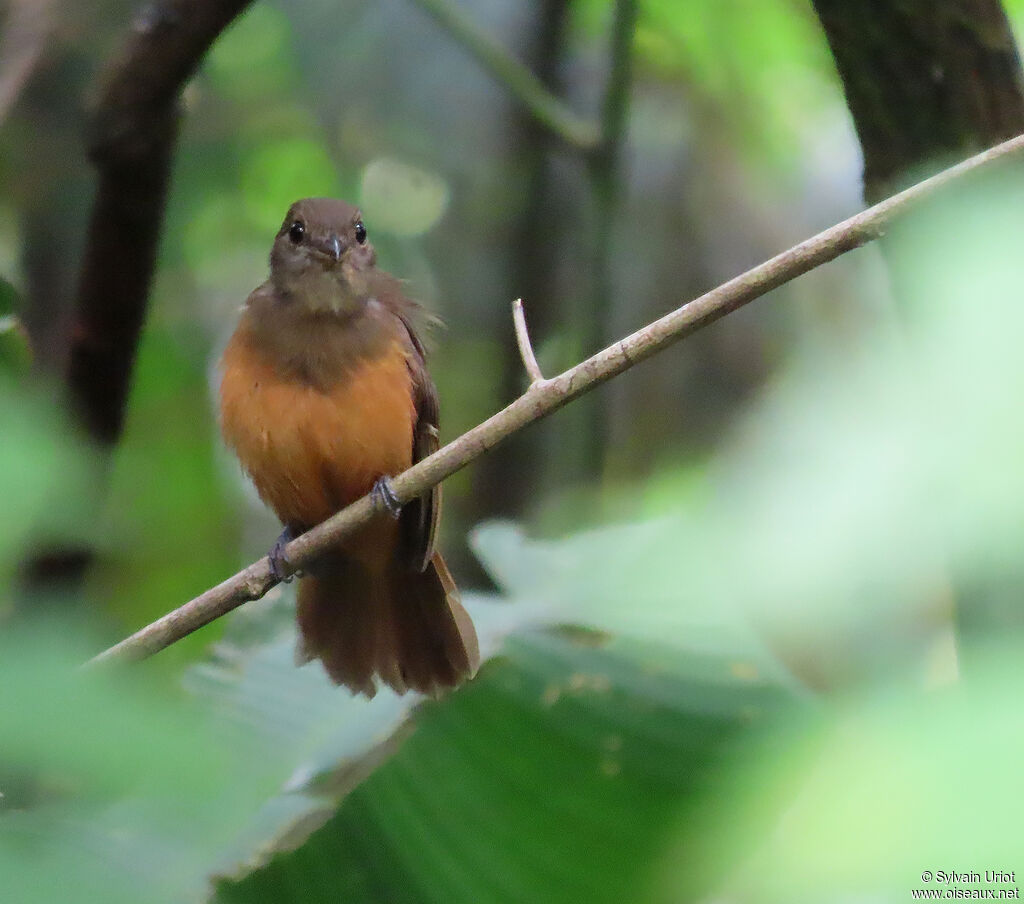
[278,563]
[384,497]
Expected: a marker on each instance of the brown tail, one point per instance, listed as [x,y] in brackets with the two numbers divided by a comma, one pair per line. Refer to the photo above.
[408,628]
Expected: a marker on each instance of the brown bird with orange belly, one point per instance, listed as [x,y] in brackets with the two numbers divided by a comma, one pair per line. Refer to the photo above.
[324,394]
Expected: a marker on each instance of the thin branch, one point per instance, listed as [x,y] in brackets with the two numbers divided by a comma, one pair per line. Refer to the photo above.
[132,138]
[542,399]
[525,346]
[520,81]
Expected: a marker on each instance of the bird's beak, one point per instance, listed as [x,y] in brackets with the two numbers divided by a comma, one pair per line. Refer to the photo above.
[331,246]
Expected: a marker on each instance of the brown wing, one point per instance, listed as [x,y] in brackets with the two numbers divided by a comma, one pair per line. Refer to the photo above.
[420,517]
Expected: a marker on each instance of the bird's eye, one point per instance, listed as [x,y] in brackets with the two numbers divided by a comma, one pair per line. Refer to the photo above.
[360,232]
[296,231]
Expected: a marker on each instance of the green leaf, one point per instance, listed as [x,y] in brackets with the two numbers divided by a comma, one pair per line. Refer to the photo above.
[10,300]
[555,776]
[44,475]
[15,349]
[899,782]
[112,790]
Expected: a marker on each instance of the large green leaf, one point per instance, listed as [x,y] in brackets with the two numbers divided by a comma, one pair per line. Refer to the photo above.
[555,776]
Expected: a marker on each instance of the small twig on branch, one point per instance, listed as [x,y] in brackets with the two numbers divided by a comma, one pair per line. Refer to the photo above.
[524,85]
[132,138]
[525,346]
[541,399]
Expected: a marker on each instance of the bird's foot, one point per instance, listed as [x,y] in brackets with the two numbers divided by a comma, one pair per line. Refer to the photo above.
[278,563]
[384,497]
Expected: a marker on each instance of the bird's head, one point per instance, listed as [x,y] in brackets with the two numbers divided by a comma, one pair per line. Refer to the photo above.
[321,256]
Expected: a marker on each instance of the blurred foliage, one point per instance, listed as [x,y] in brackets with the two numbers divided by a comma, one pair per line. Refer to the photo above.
[15,349]
[763,63]
[165,478]
[112,792]
[729,670]
[45,475]
[899,784]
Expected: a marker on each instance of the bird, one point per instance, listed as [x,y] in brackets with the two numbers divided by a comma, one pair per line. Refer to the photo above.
[324,395]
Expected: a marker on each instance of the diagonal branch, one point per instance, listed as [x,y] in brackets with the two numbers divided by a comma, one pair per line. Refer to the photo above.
[541,399]
[545,107]
[131,142]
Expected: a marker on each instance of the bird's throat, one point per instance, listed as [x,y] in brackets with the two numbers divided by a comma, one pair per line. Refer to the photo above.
[320,291]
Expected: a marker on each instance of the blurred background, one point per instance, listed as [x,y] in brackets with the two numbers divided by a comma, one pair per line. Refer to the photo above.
[752,610]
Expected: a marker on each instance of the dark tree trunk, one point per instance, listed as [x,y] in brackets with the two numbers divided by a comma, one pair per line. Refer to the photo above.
[925,81]
[507,479]
[131,136]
